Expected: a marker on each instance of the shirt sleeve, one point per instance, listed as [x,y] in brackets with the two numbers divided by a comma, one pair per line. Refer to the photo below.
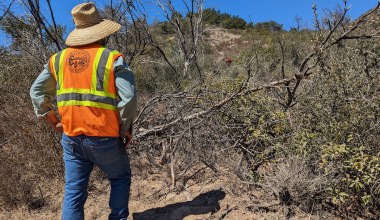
[126,90]
[42,93]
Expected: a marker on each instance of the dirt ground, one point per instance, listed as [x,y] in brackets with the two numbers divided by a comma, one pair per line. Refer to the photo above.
[211,196]
[201,193]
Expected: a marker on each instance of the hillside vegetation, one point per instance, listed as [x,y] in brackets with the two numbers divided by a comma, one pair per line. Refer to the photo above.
[289,119]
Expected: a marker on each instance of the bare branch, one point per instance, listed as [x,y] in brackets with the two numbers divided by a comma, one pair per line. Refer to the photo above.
[6,10]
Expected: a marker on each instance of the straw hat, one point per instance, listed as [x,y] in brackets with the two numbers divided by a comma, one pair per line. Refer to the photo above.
[89,26]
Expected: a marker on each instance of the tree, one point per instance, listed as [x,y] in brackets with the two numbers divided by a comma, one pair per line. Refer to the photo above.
[214,17]
[268,26]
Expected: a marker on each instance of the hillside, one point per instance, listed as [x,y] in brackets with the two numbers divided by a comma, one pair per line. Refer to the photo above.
[371,22]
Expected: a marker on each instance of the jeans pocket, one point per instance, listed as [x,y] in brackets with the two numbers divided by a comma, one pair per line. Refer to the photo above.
[105,150]
[68,146]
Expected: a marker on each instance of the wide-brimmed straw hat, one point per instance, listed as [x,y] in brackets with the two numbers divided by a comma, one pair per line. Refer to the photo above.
[90,27]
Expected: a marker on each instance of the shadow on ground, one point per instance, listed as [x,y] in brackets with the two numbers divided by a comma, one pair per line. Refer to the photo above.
[204,203]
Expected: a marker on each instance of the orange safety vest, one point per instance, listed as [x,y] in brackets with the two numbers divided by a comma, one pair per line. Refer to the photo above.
[86,91]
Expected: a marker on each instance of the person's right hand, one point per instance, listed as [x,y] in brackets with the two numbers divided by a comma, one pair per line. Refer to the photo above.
[128,136]
[53,121]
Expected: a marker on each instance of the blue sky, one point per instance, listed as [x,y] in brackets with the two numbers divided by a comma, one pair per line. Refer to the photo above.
[281,11]
[284,11]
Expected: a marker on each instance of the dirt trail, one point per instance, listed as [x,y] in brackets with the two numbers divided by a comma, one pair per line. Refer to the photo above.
[219,36]
[151,199]
[224,43]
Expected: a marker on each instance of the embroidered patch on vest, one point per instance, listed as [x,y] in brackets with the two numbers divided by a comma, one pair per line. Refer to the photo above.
[78,61]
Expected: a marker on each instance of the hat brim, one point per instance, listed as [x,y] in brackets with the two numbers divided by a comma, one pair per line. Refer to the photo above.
[92,34]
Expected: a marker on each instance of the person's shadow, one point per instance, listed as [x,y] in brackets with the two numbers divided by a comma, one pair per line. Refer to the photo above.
[202,204]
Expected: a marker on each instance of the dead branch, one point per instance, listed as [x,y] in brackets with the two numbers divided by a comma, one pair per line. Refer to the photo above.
[160,128]
[6,10]
[34,8]
[291,97]
[227,211]
[155,100]
[304,71]
[188,45]
[263,205]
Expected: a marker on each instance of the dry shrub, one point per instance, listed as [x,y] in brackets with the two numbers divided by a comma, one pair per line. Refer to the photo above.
[295,182]
[30,152]
[29,155]
[16,189]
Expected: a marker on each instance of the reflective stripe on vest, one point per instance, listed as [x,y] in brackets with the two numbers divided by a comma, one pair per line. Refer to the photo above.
[55,61]
[96,96]
[86,100]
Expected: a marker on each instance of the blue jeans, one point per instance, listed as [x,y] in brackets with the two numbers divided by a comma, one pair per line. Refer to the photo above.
[80,154]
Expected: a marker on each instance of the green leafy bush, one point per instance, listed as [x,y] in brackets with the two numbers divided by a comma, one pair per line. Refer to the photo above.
[215,17]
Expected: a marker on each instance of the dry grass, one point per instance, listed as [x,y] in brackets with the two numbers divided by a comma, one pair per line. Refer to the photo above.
[296,183]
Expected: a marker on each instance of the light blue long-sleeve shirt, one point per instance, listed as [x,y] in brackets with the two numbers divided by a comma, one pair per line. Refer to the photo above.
[43,92]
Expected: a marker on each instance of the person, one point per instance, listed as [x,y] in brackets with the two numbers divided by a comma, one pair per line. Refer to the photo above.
[96,100]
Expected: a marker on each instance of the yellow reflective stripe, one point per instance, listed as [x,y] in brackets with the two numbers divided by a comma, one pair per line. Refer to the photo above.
[101,69]
[86,103]
[52,61]
[95,67]
[107,71]
[85,91]
[60,71]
